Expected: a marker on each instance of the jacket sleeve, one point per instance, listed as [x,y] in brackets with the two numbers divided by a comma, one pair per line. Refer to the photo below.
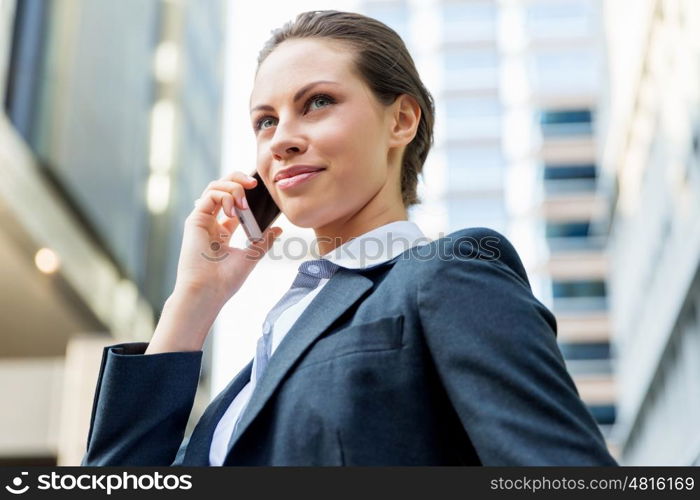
[495,351]
[141,406]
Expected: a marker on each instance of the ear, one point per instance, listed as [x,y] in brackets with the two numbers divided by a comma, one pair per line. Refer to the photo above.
[406,114]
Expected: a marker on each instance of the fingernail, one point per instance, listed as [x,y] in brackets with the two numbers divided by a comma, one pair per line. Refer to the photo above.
[244,202]
[251,178]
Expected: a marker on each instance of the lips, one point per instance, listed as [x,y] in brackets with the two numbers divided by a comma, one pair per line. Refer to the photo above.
[296,170]
[289,183]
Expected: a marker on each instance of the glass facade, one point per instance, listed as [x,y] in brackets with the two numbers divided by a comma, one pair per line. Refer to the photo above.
[81,92]
[85,112]
[200,139]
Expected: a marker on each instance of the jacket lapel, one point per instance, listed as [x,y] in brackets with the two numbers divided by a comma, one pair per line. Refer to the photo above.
[197,452]
[341,292]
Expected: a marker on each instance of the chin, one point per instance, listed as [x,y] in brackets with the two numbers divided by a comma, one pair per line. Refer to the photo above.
[308,217]
[304,220]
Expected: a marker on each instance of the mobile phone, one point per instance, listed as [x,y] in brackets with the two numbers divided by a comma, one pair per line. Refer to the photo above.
[262,210]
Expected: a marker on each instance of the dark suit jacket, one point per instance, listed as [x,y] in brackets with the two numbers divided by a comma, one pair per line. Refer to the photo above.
[440,356]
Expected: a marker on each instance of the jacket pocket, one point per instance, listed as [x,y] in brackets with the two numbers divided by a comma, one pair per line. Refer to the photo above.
[380,335]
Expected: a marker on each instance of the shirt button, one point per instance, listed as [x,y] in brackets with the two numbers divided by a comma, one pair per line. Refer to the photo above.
[266,327]
[313,268]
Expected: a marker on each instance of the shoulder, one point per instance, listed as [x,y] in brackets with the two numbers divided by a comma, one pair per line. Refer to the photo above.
[472,249]
[476,272]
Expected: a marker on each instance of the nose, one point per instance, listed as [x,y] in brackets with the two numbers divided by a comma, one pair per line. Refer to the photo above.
[286,142]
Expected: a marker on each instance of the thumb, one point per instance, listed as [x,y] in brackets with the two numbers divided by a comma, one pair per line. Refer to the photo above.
[256,250]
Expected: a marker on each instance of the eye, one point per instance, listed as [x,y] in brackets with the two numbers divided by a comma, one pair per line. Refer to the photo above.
[313,99]
[320,98]
[259,123]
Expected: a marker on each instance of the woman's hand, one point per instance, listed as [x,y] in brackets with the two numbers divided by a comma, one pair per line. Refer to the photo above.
[207,263]
[209,271]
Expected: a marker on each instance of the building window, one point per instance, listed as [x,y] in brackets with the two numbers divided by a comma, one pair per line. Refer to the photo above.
[567,229]
[603,414]
[596,350]
[575,289]
[567,179]
[577,296]
[569,172]
[572,236]
[566,122]
[584,367]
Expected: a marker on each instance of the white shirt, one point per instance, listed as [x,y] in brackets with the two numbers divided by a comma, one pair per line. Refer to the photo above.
[372,248]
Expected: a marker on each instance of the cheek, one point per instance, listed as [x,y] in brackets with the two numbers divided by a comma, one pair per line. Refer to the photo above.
[263,160]
[351,139]
[263,151]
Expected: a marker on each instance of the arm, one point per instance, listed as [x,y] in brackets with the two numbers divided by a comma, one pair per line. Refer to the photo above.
[145,391]
[495,350]
[141,407]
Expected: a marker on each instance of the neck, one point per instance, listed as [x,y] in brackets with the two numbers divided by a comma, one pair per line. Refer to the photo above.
[334,234]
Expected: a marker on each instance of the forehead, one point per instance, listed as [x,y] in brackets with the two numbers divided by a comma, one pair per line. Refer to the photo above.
[295,63]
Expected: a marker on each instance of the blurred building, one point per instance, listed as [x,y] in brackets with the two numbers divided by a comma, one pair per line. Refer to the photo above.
[516,95]
[470,115]
[110,128]
[552,54]
[455,47]
[650,154]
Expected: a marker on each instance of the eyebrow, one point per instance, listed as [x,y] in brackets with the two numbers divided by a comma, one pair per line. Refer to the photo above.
[300,93]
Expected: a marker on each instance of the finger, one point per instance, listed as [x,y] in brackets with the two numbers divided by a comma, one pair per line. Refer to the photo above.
[257,249]
[230,225]
[236,189]
[241,177]
[213,200]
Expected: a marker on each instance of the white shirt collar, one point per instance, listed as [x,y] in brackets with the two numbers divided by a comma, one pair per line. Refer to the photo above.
[378,245]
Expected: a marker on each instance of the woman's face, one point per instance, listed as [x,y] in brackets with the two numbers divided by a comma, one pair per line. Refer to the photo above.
[336,124]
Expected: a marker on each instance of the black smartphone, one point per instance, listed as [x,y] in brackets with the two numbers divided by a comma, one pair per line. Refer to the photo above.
[262,212]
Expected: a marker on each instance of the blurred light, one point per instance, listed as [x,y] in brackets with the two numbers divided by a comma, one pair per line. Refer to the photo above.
[166,62]
[46,261]
[162,136]
[158,192]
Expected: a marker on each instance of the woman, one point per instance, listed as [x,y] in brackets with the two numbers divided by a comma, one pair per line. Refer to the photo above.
[433,354]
